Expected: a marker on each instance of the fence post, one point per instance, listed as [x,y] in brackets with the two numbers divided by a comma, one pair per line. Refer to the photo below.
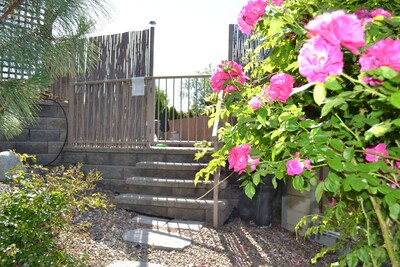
[150,94]
[71,111]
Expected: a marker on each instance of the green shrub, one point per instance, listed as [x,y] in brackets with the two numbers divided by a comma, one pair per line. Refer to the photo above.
[39,207]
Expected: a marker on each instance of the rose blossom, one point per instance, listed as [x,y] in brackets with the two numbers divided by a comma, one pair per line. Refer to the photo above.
[277,2]
[385,52]
[379,148]
[225,71]
[250,14]
[255,102]
[380,12]
[296,167]
[318,59]
[280,87]
[239,158]
[338,28]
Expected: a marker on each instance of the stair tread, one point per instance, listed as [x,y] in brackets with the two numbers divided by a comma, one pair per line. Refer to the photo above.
[170,201]
[171,182]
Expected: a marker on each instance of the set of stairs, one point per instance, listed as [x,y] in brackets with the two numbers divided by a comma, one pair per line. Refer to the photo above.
[166,189]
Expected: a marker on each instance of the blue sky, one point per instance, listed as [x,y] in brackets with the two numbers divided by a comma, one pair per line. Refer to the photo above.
[189,34]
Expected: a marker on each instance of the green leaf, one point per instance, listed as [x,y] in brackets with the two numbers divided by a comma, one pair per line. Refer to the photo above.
[335,164]
[348,181]
[256,178]
[319,190]
[358,184]
[396,122]
[394,211]
[330,104]
[378,130]
[395,99]
[319,93]
[389,73]
[262,116]
[337,144]
[250,190]
[275,27]
[298,183]
[332,182]
[332,83]
[348,154]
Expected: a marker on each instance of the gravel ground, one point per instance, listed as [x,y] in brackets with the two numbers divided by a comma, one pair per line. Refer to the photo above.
[237,243]
[98,234]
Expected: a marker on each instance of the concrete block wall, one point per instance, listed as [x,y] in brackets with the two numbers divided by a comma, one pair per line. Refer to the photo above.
[44,139]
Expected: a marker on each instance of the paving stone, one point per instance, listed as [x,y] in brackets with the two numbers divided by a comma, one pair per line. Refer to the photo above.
[185,225]
[157,239]
[153,221]
[132,264]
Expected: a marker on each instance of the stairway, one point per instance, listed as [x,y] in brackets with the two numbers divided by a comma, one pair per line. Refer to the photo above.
[166,189]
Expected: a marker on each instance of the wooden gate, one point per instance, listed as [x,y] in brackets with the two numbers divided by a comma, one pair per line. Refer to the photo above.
[108,106]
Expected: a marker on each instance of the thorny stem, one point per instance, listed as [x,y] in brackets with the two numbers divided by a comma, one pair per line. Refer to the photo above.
[378,154]
[385,232]
[369,89]
[10,9]
[367,232]
[215,186]
[345,126]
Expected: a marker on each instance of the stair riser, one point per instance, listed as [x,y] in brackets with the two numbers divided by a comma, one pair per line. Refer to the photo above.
[203,215]
[172,156]
[162,173]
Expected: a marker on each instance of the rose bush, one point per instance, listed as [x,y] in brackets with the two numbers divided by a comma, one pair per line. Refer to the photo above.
[327,96]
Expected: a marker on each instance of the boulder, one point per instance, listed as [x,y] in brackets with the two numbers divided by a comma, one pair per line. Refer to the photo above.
[8,160]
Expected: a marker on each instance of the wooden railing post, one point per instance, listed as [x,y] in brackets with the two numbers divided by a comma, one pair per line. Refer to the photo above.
[217,173]
[150,93]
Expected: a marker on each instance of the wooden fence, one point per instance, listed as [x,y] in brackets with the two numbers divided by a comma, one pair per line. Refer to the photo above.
[239,45]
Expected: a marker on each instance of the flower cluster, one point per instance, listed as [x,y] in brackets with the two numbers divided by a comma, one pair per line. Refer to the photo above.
[366,16]
[296,166]
[252,13]
[239,158]
[321,55]
[228,76]
[280,88]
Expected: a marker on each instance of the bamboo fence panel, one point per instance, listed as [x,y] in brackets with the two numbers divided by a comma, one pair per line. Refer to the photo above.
[104,111]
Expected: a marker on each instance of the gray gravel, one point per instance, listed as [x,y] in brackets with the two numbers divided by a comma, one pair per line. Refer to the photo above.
[237,243]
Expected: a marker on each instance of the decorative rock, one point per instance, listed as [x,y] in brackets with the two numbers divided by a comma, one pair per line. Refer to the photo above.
[157,239]
[8,160]
[132,264]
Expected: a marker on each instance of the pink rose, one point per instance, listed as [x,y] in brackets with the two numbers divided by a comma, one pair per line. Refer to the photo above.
[338,28]
[226,76]
[385,52]
[296,167]
[239,158]
[255,102]
[318,59]
[331,202]
[371,81]
[397,164]
[280,87]
[250,14]
[277,2]
[253,163]
[379,148]
[380,12]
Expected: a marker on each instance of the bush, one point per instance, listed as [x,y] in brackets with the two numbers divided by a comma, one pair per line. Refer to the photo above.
[39,207]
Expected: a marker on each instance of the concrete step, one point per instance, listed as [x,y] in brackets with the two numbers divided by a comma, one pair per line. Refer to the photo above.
[177,170]
[170,187]
[174,207]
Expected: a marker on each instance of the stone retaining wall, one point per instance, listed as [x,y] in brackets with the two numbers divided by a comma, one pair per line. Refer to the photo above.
[46,138]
